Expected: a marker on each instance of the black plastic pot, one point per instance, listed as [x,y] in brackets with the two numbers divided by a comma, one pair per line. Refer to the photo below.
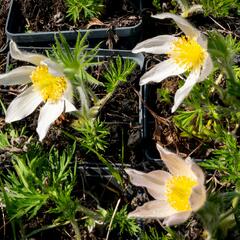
[128,36]
[148,123]
[151,154]
[97,177]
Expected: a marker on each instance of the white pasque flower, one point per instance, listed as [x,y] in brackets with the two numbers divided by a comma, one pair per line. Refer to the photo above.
[186,54]
[49,85]
[177,193]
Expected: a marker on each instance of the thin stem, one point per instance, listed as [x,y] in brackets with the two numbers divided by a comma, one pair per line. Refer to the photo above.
[231,74]
[76,229]
[183,5]
[96,216]
[231,210]
[217,82]
[44,228]
[111,222]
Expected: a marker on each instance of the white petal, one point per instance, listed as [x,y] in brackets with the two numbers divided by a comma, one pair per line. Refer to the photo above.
[23,105]
[158,45]
[154,181]
[176,165]
[25,56]
[196,170]
[153,209]
[183,92]
[177,218]
[198,197]
[17,76]
[54,68]
[202,41]
[68,94]
[161,71]
[48,114]
[185,26]
[69,107]
[206,69]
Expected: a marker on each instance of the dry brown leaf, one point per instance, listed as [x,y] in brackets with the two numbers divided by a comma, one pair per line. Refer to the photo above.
[94,22]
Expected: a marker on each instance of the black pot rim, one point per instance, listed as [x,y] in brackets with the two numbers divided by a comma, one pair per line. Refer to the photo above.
[48,37]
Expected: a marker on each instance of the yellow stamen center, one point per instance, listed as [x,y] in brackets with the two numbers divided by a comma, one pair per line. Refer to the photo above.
[187,53]
[51,87]
[178,192]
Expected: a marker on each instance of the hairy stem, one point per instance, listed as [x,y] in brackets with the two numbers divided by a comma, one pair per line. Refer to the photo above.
[76,229]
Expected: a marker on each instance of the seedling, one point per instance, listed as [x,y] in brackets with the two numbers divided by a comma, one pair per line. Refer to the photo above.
[84,9]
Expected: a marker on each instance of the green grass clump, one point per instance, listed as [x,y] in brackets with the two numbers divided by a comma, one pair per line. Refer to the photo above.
[219,8]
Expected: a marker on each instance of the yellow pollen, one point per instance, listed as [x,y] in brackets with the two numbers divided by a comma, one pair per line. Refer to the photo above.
[50,87]
[187,53]
[178,192]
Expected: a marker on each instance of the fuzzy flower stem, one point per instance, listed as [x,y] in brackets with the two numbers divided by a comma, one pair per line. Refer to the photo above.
[75,228]
[235,202]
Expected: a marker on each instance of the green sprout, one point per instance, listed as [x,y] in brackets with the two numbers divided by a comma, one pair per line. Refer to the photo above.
[93,133]
[75,62]
[164,95]
[42,182]
[85,9]
[156,4]
[219,8]
[117,71]
[226,159]
[4,142]
[153,234]
[121,222]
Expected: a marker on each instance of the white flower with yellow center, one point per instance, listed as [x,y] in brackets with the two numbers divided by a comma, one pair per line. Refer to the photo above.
[186,54]
[49,85]
[177,193]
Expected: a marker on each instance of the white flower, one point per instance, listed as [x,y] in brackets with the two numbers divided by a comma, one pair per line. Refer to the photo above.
[186,54]
[49,85]
[176,194]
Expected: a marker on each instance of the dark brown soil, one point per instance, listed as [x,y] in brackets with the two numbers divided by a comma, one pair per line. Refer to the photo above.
[225,25]
[51,15]
[3,17]
[2,62]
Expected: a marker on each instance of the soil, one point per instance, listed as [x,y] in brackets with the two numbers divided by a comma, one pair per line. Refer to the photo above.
[3,17]
[51,15]
[225,25]
[2,62]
